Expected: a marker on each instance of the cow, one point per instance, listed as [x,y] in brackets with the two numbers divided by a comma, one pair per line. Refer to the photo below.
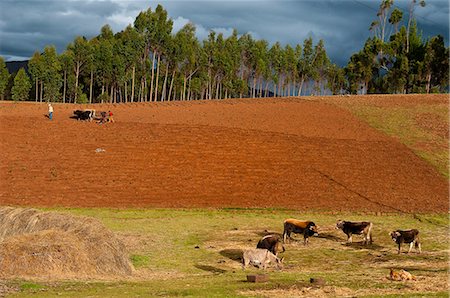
[84,114]
[305,227]
[408,236]
[357,228]
[261,258]
[271,243]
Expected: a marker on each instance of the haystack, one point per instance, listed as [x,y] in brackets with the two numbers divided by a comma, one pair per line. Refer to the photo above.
[54,245]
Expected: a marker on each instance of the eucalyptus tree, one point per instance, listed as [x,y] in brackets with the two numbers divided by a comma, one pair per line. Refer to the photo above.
[155,28]
[290,68]
[209,48]
[276,63]
[436,65]
[103,57]
[232,65]
[245,43]
[51,74]
[395,18]
[412,7]
[186,47]
[4,78]
[79,50]
[66,62]
[21,88]
[36,69]
[335,79]
[131,44]
[304,65]
[320,65]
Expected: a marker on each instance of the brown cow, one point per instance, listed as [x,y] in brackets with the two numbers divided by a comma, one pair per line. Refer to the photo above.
[409,236]
[357,228]
[305,227]
[271,243]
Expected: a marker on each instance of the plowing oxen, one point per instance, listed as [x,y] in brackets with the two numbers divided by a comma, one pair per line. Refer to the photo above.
[87,114]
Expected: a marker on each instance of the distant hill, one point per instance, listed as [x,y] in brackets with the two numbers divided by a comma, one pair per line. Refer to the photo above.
[14,66]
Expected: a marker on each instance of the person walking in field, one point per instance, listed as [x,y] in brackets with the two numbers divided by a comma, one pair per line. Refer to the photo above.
[50,111]
[110,117]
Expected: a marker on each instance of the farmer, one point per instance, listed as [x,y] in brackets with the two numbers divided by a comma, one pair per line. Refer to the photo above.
[50,111]
[110,117]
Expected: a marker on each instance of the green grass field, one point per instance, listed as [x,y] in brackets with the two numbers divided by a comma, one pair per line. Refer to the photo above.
[163,243]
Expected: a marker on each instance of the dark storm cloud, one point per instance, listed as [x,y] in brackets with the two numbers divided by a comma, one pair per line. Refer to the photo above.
[27,26]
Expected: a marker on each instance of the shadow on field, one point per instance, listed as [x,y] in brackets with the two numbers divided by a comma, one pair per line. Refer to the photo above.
[361,245]
[233,254]
[211,269]
[329,236]
[266,232]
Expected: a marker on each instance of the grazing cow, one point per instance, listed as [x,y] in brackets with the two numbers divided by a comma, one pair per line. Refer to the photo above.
[409,236]
[305,227]
[357,228]
[261,258]
[271,243]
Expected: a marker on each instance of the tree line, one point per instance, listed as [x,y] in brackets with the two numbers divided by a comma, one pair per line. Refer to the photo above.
[148,62]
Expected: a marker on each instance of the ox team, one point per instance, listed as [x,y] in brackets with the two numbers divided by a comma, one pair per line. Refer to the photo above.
[271,245]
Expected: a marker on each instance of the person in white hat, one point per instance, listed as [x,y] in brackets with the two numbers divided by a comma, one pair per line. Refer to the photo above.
[50,111]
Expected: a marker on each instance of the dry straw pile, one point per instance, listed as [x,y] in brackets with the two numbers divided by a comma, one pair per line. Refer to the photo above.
[50,245]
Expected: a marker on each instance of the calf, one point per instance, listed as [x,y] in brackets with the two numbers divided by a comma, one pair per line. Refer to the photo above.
[305,227]
[357,228]
[271,243]
[409,236]
[261,258]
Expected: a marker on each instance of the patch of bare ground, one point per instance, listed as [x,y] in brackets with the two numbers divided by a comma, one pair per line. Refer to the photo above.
[422,285]
[276,152]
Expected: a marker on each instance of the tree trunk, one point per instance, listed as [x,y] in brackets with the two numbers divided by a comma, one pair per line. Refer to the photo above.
[126,91]
[77,73]
[171,86]
[189,89]
[112,94]
[428,83]
[144,92]
[90,86]
[37,88]
[266,89]
[163,95]
[217,90]
[64,87]
[302,80]
[157,78]
[42,90]
[153,76]
[132,85]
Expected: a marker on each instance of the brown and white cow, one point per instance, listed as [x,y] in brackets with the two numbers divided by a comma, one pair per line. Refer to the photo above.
[357,228]
[305,227]
[408,236]
[271,243]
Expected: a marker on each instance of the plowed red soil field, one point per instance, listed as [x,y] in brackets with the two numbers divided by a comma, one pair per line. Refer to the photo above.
[288,153]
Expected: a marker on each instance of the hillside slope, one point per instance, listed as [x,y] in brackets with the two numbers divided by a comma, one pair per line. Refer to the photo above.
[293,153]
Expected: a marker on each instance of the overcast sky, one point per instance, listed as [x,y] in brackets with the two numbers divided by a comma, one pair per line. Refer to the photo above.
[27,26]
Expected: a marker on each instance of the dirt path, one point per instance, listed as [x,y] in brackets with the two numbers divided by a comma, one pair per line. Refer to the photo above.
[289,153]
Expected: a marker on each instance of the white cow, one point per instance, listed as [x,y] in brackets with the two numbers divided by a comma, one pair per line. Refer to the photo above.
[260,257]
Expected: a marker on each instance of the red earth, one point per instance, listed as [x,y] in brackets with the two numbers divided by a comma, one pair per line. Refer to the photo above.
[299,153]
